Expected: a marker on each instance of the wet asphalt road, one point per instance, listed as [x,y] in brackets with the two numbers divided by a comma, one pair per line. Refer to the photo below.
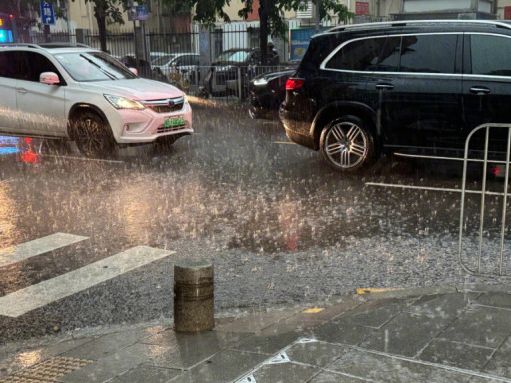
[278,224]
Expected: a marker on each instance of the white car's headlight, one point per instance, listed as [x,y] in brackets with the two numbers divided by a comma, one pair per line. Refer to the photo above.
[124,103]
[260,82]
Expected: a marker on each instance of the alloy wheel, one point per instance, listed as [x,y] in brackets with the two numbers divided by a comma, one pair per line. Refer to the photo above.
[346,145]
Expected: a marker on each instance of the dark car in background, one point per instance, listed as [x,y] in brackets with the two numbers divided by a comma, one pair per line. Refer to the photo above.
[233,68]
[267,92]
[415,86]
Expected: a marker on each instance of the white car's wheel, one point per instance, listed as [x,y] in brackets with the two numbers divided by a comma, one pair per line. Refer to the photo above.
[93,136]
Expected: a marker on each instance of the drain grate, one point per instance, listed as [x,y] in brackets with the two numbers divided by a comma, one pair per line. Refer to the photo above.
[48,371]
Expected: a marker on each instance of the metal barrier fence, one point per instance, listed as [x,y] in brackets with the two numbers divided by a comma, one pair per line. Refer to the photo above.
[174,58]
[123,42]
[484,192]
[474,265]
[214,81]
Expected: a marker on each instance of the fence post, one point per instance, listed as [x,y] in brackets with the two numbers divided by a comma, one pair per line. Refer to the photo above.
[81,35]
[240,85]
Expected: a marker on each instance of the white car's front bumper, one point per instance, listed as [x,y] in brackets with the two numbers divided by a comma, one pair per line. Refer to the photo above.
[145,126]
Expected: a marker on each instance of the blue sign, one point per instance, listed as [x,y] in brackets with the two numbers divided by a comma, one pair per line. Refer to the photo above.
[6,36]
[47,13]
[299,40]
[142,12]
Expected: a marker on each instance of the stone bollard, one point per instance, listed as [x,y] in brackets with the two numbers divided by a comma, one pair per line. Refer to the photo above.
[193,296]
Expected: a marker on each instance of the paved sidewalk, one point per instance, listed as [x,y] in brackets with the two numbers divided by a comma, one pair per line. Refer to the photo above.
[402,336]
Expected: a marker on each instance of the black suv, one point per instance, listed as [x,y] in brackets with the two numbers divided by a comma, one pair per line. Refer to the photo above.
[399,86]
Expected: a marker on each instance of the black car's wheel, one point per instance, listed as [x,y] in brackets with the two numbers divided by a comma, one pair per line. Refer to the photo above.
[347,144]
[93,136]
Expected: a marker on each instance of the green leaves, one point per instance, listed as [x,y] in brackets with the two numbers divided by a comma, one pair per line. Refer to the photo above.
[209,11]
[110,10]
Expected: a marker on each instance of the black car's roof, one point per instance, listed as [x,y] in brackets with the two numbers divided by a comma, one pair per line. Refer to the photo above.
[415,26]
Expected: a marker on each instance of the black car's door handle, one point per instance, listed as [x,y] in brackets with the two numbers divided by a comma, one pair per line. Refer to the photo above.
[384,86]
[480,90]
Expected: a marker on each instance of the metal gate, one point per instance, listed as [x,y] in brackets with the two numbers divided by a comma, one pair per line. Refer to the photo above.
[498,257]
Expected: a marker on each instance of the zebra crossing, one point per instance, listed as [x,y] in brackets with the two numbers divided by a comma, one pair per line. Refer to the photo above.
[41,294]
[15,254]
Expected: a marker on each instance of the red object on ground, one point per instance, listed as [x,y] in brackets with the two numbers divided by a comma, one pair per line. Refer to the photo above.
[28,155]
[507,12]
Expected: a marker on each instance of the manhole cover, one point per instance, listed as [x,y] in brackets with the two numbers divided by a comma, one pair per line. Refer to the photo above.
[48,371]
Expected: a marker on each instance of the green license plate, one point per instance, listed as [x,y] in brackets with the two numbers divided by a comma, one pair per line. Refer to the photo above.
[174,122]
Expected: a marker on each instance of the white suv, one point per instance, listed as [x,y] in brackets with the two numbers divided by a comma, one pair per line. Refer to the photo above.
[87,96]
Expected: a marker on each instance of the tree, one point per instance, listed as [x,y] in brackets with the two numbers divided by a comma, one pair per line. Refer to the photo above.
[107,11]
[270,14]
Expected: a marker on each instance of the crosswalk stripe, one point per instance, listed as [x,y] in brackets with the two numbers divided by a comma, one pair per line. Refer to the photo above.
[39,295]
[38,246]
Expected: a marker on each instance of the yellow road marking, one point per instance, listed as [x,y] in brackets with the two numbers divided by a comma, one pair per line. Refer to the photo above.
[284,142]
[313,310]
[374,290]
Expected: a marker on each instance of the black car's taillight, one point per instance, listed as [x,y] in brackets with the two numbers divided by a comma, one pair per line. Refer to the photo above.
[294,83]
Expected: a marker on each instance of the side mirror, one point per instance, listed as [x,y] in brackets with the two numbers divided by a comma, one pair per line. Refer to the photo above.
[49,78]
[134,71]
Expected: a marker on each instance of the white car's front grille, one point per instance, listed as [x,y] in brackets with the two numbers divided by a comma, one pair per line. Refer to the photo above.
[166,105]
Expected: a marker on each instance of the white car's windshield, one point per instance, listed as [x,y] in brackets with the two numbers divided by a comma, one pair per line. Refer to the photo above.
[93,66]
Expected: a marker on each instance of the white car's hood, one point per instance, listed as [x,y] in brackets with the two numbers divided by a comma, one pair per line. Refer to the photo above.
[137,89]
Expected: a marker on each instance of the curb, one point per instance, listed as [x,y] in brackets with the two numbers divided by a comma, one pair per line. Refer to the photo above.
[380,293]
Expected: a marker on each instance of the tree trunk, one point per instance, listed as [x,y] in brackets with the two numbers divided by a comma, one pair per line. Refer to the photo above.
[263,30]
[100,14]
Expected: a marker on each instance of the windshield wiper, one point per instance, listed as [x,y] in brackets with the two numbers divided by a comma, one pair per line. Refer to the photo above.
[110,75]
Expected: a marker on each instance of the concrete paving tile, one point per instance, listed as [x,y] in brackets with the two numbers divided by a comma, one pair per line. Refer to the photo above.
[330,377]
[147,374]
[316,353]
[295,323]
[500,364]
[254,322]
[342,330]
[67,345]
[304,321]
[284,373]
[498,299]
[170,349]
[342,306]
[104,345]
[456,354]
[385,369]
[481,326]
[106,368]
[447,306]
[225,366]
[267,344]
[377,313]
[405,335]
[216,339]
[180,357]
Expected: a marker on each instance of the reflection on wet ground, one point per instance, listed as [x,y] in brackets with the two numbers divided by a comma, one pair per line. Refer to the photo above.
[235,193]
